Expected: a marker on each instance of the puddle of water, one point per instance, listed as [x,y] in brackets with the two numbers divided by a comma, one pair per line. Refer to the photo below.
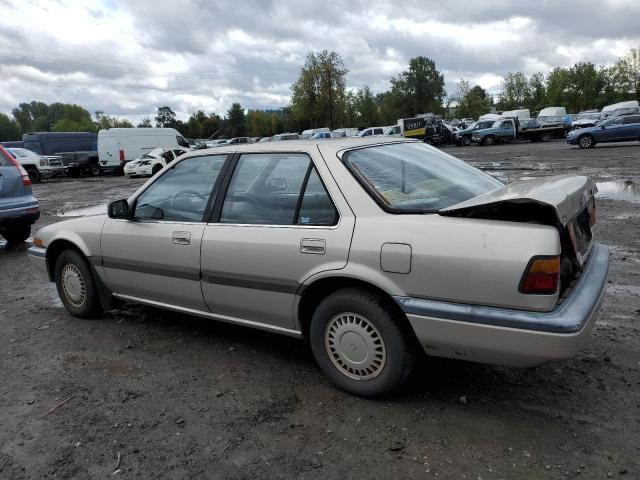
[623,290]
[619,190]
[84,212]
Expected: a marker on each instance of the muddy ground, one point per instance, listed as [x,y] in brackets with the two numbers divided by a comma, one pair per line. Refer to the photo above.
[180,397]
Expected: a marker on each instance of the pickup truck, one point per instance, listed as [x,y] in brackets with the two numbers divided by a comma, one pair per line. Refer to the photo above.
[514,129]
[79,162]
[463,137]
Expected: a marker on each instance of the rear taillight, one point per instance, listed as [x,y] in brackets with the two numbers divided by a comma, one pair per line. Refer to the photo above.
[23,172]
[121,156]
[542,276]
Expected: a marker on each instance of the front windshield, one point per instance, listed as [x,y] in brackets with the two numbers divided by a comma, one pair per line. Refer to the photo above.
[415,178]
[473,126]
[611,121]
[496,124]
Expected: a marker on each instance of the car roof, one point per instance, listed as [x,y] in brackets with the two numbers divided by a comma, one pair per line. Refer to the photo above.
[335,144]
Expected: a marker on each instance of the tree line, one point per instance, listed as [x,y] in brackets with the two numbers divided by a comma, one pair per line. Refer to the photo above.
[320,98]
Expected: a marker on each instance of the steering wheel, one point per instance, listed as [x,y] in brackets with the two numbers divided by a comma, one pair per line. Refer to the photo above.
[188,193]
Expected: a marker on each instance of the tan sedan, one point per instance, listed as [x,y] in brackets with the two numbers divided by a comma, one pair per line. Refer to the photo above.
[372,248]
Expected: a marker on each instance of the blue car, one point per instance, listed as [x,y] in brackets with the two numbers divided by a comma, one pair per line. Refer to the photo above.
[18,207]
[625,128]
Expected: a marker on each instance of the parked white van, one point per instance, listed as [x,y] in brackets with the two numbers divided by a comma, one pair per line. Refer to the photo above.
[117,146]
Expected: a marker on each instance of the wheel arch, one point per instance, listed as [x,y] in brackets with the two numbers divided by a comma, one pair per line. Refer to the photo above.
[315,292]
[56,247]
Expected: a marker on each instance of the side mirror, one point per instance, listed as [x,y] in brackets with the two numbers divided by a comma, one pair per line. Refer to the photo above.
[119,209]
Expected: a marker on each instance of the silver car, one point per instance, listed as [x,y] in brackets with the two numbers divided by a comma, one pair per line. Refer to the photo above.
[372,248]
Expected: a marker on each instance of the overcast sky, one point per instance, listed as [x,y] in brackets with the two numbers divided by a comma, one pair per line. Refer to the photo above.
[129,57]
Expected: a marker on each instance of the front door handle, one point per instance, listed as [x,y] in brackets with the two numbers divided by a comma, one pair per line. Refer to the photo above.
[313,246]
[182,238]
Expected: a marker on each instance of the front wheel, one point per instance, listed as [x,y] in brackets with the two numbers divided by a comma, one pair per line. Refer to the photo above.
[586,141]
[545,137]
[17,233]
[76,286]
[489,140]
[466,140]
[156,168]
[361,344]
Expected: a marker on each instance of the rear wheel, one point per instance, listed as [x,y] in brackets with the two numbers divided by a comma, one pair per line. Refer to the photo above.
[16,233]
[93,170]
[34,174]
[545,137]
[76,286]
[361,344]
[586,141]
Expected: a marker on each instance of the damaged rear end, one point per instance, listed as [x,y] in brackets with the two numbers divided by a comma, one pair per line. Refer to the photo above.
[565,202]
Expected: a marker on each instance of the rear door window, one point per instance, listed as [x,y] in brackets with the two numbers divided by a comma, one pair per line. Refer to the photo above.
[277,189]
[632,119]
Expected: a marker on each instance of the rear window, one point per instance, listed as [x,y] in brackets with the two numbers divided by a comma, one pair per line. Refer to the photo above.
[415,178]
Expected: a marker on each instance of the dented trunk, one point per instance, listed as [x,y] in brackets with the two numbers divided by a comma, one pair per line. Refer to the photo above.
[564,201]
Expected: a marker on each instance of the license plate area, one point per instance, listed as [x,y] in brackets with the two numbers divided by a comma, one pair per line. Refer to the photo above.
[581,235]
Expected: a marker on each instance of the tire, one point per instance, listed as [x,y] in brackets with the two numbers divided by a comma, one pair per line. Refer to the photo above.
[545,137]
[16,233]
[94,170]
[489,140]
[466,140]
[34,174]
[156,168]
[586,141]
[76,286]
[377,332]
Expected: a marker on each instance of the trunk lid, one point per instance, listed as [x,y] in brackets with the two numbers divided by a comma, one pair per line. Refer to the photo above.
[564,201]
[566,195]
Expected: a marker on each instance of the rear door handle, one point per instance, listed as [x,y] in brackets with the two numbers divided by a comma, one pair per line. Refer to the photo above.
[313,246]
[182,238]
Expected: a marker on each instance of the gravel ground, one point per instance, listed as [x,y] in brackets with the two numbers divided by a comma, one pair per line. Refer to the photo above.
[143,393]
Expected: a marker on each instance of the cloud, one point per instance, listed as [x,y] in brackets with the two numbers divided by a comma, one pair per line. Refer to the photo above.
[129,57]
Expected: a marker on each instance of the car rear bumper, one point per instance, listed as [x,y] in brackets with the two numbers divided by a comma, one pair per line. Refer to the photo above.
[507,336]
[20,215]
[38,257]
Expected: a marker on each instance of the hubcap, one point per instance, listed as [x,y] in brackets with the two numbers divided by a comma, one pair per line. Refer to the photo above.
[355,346]
[585,141]
[73,285]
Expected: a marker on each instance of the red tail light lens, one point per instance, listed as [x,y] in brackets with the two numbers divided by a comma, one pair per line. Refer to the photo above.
[26,181]
[121,156]
[542,276]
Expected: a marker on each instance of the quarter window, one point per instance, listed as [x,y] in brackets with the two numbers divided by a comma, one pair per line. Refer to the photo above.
[277,189]
[182,193]
[316,207]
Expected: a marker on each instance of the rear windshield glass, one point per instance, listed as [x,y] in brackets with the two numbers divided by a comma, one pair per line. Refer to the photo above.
[415,178]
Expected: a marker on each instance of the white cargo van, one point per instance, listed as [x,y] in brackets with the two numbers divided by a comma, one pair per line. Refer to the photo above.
[117,146]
